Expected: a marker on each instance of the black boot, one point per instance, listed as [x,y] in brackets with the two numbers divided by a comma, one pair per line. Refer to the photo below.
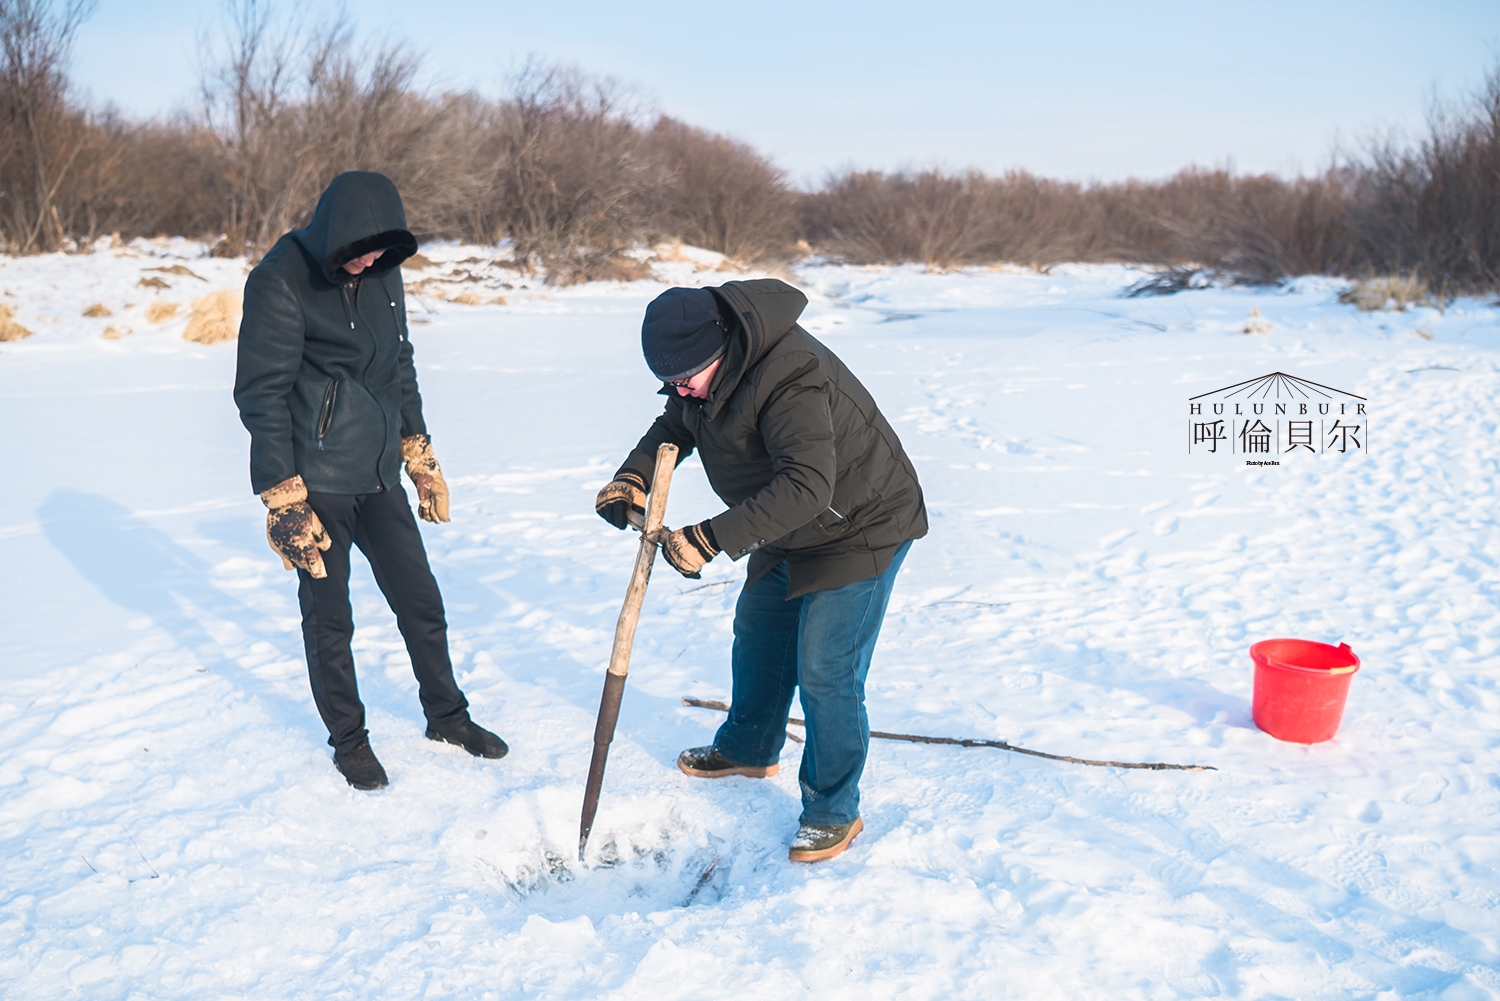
[472,738]
[360,766]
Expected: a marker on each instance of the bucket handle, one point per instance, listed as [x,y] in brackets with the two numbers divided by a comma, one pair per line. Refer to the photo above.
[1344,670]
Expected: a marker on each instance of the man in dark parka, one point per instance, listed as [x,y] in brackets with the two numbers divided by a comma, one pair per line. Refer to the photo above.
[326,387]
[822,499]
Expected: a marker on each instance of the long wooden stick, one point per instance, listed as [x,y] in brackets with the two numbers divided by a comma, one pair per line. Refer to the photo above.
[971,742]
[619,655]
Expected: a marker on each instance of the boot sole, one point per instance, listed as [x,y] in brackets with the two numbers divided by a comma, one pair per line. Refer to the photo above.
[504,749]
[364,786]
[749,771]
[818,855]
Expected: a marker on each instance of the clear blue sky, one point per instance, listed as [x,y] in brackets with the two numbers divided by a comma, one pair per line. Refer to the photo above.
[1076,90]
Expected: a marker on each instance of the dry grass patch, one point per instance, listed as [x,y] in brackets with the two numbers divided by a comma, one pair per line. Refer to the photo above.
[426,288]
[178,269]
[1258,324]
[152,283]
[115,333]
[157,312]
[468,298]
[671,253]
[1387,292]
[97,309]
[215,317]
[592,268]
[10,330]
[417,262]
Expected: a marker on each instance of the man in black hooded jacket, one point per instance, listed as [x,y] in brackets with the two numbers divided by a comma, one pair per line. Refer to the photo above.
[821,497]
[326,387]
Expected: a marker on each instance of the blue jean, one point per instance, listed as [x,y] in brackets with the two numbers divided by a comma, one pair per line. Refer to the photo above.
[821,643]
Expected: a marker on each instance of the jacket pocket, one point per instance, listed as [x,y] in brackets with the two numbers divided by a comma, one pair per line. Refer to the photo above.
[832,519]
[325,415]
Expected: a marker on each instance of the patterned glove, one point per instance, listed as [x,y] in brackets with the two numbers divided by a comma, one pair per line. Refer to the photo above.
[422,467]
[622,501]
[687,549]
[293,528]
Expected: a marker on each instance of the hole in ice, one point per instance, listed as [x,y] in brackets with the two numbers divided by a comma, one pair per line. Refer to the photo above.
[657,873]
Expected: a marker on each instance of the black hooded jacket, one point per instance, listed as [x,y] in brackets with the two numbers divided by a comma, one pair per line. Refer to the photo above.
[795,445]
[324,381]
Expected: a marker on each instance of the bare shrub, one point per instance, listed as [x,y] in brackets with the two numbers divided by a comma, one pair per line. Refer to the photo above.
[570,171]
[289,119]
[165,178]
[719,194]
[1257,228]
[946,221]
[41,136]
[575,174]
[1433,210]
[869,216]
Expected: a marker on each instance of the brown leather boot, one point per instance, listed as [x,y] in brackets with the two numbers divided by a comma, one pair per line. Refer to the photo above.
[708,763]
[815,842]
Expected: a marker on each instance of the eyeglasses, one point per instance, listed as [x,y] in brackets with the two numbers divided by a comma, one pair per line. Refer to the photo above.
[680,383]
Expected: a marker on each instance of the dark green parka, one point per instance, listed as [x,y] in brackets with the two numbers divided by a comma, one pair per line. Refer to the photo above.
[325,382]
[790,440]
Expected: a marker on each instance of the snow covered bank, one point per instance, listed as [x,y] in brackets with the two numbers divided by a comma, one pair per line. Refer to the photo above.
[172,827]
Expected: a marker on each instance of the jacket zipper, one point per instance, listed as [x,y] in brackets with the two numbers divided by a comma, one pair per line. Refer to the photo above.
[351,308]
[325,416]
[396,319]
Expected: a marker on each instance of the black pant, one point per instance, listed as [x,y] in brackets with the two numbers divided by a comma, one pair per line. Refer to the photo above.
[383,528]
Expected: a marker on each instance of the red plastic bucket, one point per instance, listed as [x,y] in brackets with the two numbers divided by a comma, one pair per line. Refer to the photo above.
[1300,688]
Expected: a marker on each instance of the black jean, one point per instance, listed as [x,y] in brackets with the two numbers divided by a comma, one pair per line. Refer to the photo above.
[382,526]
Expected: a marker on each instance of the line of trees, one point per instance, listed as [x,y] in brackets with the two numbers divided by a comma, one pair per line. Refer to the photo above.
[575,173]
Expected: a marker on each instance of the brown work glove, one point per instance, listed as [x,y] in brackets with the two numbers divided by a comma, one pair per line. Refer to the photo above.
[622,501]
[422,467]
[687,549]
[293,528]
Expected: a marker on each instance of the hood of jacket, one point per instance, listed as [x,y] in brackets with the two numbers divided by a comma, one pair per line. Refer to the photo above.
[359,212]
[765,311]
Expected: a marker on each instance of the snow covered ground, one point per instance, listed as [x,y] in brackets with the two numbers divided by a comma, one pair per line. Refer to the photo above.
[171,825]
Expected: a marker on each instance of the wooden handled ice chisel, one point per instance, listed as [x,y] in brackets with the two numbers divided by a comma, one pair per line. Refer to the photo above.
[619,657]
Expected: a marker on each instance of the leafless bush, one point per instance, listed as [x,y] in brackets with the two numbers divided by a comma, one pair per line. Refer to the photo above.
[571,167]
[575,175]
[41,136]
[1258,228]
[288,119]
[870,216]
[1434,210]
[719,194]
[951,220]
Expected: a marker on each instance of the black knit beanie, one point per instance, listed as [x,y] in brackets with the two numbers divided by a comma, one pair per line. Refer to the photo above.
[682,333]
